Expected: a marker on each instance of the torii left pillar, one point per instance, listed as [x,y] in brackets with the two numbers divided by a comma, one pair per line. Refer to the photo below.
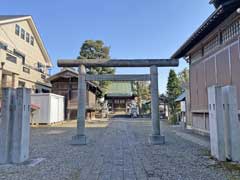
[156,137]
[80,138]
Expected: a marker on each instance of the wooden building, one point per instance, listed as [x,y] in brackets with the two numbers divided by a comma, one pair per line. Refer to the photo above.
[119,96]
[65,83]
[213,55]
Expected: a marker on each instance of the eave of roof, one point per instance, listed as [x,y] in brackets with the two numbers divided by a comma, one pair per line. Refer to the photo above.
[219,15]
[55,76]
[119,95]
[181,97]
[5,19]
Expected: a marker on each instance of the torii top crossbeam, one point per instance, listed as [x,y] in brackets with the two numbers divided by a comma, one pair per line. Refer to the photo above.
[118,62]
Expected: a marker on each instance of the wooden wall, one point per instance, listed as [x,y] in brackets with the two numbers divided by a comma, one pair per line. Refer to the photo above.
[222,68]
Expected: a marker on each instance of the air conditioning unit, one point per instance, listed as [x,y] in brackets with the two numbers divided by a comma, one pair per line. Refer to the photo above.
[41,69]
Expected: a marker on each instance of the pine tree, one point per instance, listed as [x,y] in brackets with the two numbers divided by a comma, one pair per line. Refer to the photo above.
[97,50]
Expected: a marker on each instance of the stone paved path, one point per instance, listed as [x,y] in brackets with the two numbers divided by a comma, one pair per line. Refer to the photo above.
[115,151]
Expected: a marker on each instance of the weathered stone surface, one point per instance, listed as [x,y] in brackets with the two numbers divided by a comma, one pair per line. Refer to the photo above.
[80,138]
[216,122]
[118,62]
[14,126]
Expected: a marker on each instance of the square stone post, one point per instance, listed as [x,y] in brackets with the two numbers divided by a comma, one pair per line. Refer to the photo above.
[5,126]
[216,122]
[231,123]
[155,137]
[15,128]
[1,74]
[21,125]
[80,138]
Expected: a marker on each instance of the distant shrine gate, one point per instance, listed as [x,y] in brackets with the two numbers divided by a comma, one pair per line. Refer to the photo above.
[155,137]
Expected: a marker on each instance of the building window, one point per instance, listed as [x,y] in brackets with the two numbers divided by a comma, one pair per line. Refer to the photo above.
[43,76]
[20,55]
[27,37]
[26,70]
[17,29]
[22,33]
[3,45]
[32,40]
[232,31]
[21,84]
[40,67]
[11,58]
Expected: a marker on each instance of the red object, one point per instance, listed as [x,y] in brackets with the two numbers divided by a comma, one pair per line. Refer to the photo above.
[34,107]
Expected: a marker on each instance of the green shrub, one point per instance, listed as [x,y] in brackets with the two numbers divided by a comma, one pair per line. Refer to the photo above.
[173,119]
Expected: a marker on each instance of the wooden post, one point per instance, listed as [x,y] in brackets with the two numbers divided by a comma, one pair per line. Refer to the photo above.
[155,137]
[80,138]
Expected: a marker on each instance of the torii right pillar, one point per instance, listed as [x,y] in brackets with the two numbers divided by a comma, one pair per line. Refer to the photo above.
[156,137]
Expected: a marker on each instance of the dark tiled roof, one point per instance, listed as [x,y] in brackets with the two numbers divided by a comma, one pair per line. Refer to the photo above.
[219,15]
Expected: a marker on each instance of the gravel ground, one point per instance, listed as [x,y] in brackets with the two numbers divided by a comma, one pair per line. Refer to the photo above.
[118,149]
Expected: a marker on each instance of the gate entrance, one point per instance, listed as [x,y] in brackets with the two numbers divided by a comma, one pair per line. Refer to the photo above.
[153,64]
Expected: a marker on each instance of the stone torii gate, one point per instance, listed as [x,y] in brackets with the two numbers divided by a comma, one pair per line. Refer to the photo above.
[155,137]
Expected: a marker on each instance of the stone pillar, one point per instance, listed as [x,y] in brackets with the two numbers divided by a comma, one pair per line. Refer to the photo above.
[155,137]
[5,127]
[21,127]
[1,83]
[216,122]
[14,128]
[80,138]
[232,124]
[1,72]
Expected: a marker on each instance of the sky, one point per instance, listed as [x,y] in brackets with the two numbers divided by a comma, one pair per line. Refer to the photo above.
[132,28]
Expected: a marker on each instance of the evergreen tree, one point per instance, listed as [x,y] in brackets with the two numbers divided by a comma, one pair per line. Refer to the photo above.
[142,90]
[183,77]
[173,91]
[97,50]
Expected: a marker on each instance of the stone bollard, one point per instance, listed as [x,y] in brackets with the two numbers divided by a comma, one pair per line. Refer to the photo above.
[14,126]
[224,123]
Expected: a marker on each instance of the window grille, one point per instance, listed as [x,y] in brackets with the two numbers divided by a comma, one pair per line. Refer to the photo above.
[232,31]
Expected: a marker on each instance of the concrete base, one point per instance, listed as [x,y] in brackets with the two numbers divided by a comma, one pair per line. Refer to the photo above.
[79,140]
[156,139]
